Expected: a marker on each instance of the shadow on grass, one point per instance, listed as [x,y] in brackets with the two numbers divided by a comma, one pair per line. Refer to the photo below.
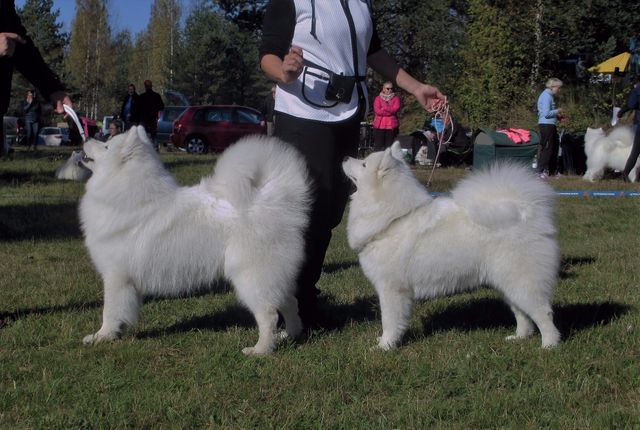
[335,317]
[490,313]
[7,317]
[233,316]
[41,221]
[568,264]
[338,267]
[189,162]
[17,178]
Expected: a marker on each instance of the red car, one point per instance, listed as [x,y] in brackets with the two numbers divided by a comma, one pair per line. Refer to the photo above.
[213,128]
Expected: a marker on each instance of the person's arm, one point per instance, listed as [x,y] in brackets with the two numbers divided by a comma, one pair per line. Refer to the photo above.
[384,64]
[393,106]
[378,106]
[278,59]
[28,61]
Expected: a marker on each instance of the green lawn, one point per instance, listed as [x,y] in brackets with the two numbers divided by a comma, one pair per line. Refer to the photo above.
[182,366]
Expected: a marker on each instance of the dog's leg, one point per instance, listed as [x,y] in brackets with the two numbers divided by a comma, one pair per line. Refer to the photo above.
[396,305]
[267,319]
[539,310]
[121,305]
[289,311]
[524,325]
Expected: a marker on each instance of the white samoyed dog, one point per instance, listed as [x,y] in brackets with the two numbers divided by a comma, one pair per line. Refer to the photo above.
[73,169]
[608,151]
[497,229]
[148,236]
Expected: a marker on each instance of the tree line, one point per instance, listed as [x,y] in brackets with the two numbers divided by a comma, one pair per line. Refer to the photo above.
[491,57]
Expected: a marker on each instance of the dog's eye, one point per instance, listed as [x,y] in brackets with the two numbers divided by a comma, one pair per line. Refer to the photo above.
[364,164]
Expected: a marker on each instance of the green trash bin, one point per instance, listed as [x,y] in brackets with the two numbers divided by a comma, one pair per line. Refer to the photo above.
[490,146]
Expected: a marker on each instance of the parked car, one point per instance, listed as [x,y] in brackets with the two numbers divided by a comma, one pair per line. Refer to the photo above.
[215,127]
[53,136]
[13,132]
[165,122]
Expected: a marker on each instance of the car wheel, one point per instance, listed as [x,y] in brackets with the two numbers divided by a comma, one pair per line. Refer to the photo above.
[195,145]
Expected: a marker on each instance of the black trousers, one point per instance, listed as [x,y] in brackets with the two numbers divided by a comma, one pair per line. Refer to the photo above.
[635,152]
[324,146]
[549,145]
[32,129]
[383,138]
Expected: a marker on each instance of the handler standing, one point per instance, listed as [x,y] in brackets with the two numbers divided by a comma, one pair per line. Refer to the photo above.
[317,52]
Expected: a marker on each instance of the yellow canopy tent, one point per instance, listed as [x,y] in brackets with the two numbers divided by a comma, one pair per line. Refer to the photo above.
[620,62]
[614,66]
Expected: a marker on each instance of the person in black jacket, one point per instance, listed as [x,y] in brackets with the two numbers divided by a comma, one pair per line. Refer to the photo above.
[129,109]
[32,110]
[149,106]
[18,51]
[633,103]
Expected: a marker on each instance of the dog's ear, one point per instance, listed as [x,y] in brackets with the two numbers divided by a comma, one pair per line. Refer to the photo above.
[388,162]
[396,150]
[132,142]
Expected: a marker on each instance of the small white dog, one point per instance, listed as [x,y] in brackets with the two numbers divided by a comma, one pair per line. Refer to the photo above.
[73,169]
[147,235]
[422,156]
[497,229]
[608,151]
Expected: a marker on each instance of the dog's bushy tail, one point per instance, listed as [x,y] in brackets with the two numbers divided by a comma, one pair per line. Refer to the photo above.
[267,184]
[506,194]
[621,136]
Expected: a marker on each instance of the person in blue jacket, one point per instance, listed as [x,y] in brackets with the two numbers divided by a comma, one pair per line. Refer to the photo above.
[548,115]
[633,102]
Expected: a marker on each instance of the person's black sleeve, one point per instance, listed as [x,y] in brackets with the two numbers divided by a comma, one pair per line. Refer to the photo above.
[28,61]
[375,45]
[278,27]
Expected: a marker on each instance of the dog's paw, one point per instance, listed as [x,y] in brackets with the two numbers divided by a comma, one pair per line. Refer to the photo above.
[95,338]
[252,350]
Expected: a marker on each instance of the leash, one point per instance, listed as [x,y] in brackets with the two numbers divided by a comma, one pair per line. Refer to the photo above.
[69,110]
[440,110]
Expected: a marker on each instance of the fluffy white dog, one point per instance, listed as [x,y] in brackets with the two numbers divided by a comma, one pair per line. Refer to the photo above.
[497,229]
[148,236]
[608,151]
[73,169]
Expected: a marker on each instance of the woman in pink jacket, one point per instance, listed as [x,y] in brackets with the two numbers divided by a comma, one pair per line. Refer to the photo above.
[385,123]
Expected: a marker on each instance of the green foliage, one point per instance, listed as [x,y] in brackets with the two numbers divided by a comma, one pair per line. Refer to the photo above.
[181,366]
[218,62]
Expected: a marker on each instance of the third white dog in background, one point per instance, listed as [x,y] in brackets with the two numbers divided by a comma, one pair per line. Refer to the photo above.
[497,229]
[608,151]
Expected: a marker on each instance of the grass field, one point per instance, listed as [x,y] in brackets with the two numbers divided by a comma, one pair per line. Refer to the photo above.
[181,366]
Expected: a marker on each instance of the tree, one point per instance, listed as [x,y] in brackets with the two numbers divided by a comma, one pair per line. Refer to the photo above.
[163,33]
[495,61]
[218,62]
[41,22]
[90,60]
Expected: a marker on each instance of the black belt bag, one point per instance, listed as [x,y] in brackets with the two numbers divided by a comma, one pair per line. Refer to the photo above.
[339,87]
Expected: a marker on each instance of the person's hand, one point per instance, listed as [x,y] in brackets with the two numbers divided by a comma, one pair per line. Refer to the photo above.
[429,96]
[8,43]
[292,65]
[58,99]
